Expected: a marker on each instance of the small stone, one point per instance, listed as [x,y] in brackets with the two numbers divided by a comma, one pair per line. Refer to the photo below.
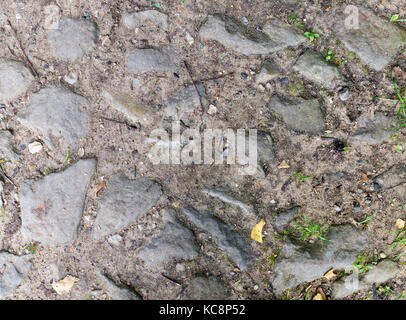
[400,224]
[269,71]
[189,38]
[115,240]
[212,110]
[147,18]
[283,165]
[185,101]
[141,61]
[71,78]
[14,270]
[344,94]
[35,147]
[180,267]
[374,129]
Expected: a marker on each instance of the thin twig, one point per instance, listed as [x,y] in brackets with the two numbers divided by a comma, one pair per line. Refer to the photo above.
[194,84]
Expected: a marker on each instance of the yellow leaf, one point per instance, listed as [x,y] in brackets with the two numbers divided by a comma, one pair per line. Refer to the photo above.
[318,297]
[256,233]
[65,285]
[330,274]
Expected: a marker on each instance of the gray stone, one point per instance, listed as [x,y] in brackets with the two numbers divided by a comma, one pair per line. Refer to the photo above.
[141,61]
[210,288]
[225,236]
[301,262]
[376,41]
[72,39]
[123,201]
[314,68]
[269,71]
[56,112]
[51,208]
[145,18]
[15,80]
[13,271]
[175,242]
[237,37]
[186,101]
[265,148]
[344,94]
[381,273]
[117,292]
[300,115]
[7,146]
[283,218]
[374,130]
[393,177]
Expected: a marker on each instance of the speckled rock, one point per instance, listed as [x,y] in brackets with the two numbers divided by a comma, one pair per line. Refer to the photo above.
[174,242]
[393,177]
[210,288]
[141,61]
[72,39]
[374,130]
[7,147]
[283,218]
[15,80]
[304,116]
[235,36]
[123,201]
[376,42]
[13,271]
[302,261]
[186,101]
[314,68]
[51,208]
[57,113]
[145,18]
[226,237]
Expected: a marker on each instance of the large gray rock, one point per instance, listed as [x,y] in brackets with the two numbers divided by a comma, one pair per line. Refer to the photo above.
[314,68]
[393,177]
[186,101]
[145,18]
[300,115]
[175,242]
[141,61]
[72,39]
[226,237]
[123,201]
[237,37]
[7,146]
[283,218]
[202,288]
[51,208]
[15,79]
[302,261]
[376,41]
[56,112]
[116,291]
[13,271]
[374,130]
[381,273]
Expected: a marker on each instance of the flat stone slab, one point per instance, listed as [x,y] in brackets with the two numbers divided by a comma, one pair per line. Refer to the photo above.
[235,36]
[51,208]
[72,39]
[304,116]
[141,61]
[185,101]
[174,242]
[376,42]
[384,271]
[301,262]
[123,201]
[145,18]
[374,130]
[393,177]
[226,237]
[283,218]
[56,112]
[206,288]
[13,271]
[15,80]
[313,67]
[7,146]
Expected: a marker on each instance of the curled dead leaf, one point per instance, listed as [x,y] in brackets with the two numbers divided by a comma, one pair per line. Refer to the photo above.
[65,285]
[99,186]
[330,274]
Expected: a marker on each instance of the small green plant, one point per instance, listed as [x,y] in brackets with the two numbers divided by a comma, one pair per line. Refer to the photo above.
[311,35]
[361,262]
[395,18]
[301,177]
[367,218]
[386,290]
[293,20]
[329,55]
[31,247]
[68,157]
[157,4]
[345,149]
[400,240]
[309,230]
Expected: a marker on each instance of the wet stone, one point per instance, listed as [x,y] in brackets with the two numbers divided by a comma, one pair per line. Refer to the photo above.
[376,42]
[15,79]
[374,130]
[314,68]
[14,270]
[123,201]
[237,37]
[141,61]
[301,262]
[186,101]
[51,208]
[206,288]
[304,116]
[226,237]
[283,218]
[145,18]
[174,242]
[56,112]
[72,39]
